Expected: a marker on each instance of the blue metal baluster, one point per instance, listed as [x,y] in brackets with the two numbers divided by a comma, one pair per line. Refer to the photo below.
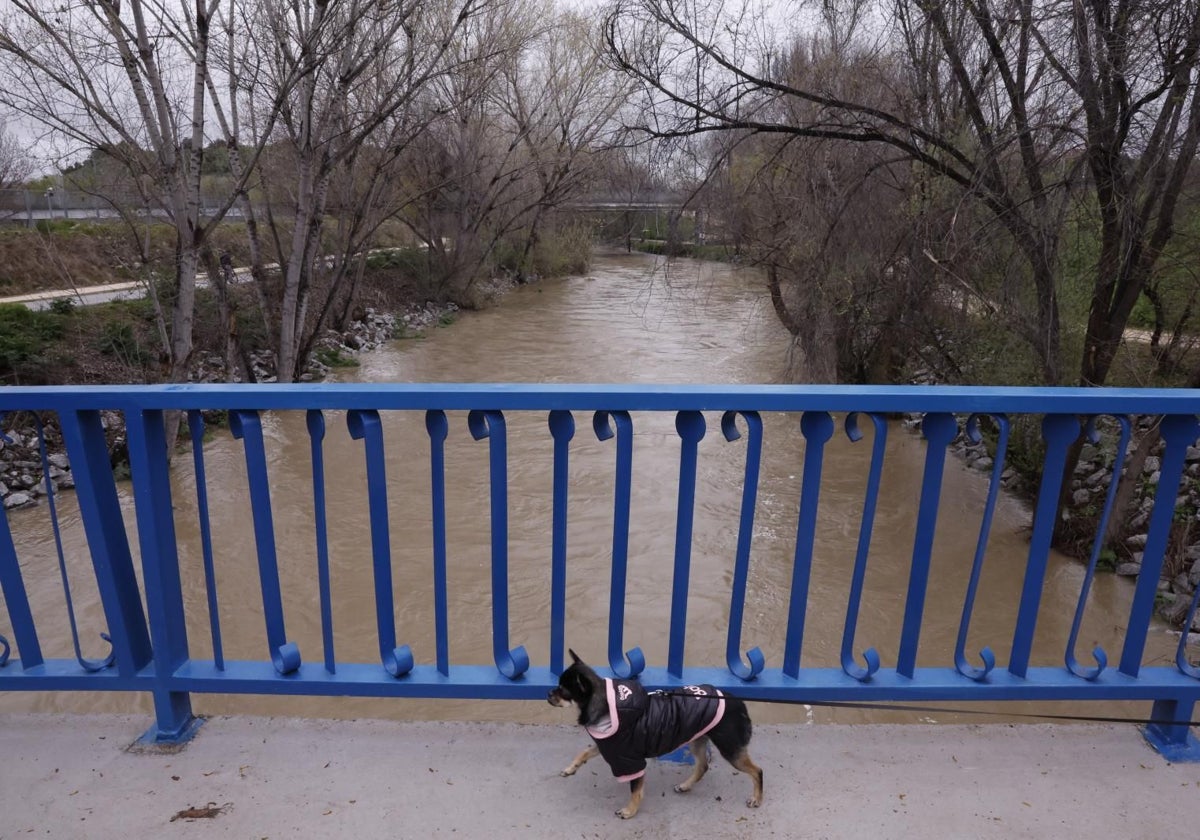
[562,429]
[15,598]
[632,662]
[690,426]
[1171,734]
[90,665]
[1179,432]
[853,606]
[1059,431]
[196,429]
[817,428]
[247,427]
[741,564]
[622,484]
[151,477]
[104,524]
[315,421]
[939,430]
[365,425]
[1097,652]
[1181,657]
[439,430]
[985,528]
[511,662]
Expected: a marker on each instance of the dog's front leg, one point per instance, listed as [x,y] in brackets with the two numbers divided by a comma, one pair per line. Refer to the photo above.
[636,788]
[581,759]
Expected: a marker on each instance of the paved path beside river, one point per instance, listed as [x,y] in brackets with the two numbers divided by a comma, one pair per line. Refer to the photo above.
[72,777]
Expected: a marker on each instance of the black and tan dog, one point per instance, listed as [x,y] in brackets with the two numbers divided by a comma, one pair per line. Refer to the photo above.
[629,725]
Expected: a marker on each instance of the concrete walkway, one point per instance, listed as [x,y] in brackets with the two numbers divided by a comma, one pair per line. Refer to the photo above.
[73,777]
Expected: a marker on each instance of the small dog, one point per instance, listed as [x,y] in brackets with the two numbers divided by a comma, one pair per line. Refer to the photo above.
[629,725]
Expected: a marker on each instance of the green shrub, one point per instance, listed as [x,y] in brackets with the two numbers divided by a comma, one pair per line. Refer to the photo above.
[118,338]
[333,357]
[25,334]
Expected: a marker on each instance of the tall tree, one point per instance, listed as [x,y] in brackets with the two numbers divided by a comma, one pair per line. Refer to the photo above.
[15,164]
[1004,99]
[111,76]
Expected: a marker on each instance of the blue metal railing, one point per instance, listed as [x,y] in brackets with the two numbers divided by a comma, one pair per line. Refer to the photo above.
[150,646]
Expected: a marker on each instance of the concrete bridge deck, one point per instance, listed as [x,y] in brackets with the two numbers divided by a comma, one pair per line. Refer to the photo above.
[73,777]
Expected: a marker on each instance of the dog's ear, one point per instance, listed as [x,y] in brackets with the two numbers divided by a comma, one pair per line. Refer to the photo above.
[574,656]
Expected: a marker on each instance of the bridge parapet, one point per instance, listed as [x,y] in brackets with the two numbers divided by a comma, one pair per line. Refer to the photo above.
[147,620]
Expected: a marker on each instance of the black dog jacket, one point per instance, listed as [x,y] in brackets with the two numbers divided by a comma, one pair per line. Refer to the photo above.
[642,725]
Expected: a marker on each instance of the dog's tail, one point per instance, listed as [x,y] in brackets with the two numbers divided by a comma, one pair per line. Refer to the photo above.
[739,718]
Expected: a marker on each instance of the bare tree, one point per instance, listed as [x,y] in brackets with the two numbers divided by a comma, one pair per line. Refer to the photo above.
[15,164]
[1005,100]
[362,69]
[111,76]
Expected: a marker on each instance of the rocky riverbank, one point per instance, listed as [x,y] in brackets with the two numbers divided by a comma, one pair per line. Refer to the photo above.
[1089,486]
[22,478]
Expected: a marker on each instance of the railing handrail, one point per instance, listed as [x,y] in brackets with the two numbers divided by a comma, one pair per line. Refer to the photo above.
[964,399]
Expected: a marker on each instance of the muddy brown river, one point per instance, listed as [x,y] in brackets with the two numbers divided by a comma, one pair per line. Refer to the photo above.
[630,320]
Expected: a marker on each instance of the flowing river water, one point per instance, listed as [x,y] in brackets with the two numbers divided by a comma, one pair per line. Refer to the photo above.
[632,319]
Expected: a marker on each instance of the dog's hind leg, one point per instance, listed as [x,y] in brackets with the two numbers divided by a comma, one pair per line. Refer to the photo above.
[636,788]
[742,762]
[699,750]
[591,752]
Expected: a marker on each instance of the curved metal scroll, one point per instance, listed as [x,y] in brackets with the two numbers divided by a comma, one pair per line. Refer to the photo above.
[939,429]
[986,656]
[315,421]
[1098,653]
[632,662]
[1059,431]
[89,665]
[1181,658]
[439,429]
[817,428]
[3,641]
[247,426]
[196,430]
[16,599]
[562,429]
[365,425]
[741,563]
[511,662]
[879,445]
[690,427]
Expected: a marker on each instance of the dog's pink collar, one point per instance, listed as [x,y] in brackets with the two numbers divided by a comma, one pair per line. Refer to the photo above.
[610,693]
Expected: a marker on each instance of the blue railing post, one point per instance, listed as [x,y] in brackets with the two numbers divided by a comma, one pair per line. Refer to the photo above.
[817,428]
[365,425]
[939,429]
[1179,432]
[690,425]
[16,600]
[1174,740]
[100,509]
[174,722]
[1059,431]
[246,426]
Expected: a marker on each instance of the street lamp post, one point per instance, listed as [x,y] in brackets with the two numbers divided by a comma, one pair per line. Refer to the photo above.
[49,204]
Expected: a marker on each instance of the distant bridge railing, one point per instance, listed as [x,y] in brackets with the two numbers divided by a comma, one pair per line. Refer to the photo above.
[150,649]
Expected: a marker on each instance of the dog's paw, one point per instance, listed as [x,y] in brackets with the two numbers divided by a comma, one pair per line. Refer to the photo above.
[753,801]
[682,787]
[626,813]
[569,771]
